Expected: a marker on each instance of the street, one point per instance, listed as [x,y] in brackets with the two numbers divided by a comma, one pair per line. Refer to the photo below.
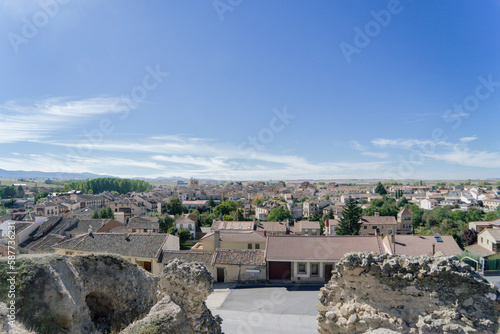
[266,309]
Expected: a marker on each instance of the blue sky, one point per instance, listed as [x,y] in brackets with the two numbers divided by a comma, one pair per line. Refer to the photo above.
[244,90]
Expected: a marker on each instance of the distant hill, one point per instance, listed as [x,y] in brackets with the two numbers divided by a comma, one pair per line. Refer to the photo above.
[48,175]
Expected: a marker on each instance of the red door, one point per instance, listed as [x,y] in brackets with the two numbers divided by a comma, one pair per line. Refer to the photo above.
[280,270]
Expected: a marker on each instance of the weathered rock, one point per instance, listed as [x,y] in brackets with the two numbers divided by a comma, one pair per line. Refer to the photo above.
[93,294]
[183,311]
[407,295]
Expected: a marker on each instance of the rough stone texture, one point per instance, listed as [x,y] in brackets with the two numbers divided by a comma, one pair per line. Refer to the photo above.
[183,310]
[94,294]
[407,295]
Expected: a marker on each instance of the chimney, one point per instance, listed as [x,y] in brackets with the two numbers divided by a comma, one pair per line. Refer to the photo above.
[216,239]
[377,214]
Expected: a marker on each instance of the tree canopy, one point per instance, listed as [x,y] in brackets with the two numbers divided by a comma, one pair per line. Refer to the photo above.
[97,186]
[349,222]
[8,192]
[380,189]
[103,213]
[226,207]
[279,214]
[175,207]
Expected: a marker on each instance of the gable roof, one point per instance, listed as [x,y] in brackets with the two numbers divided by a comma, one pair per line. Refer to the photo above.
[44,244]
[187,219]
[494,232]
[255,257]
[416,245]
[289,248]
[143,223]
[236,236]
[378,220]
[272,226]
[405,211]
[479,250]
[233,225]
[136,245]
[305,224]
[82,226]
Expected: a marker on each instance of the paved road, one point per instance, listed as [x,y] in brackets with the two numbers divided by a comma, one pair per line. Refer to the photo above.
[266,310]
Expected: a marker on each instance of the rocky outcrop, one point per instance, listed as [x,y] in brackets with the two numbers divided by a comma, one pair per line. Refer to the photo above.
[183,310]
[407,295]
[102,293]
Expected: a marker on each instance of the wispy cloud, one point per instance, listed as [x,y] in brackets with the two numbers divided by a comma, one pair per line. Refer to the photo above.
[406,143]
[356,146]
[468,139]
[464,157]
[381,155]
[39,120]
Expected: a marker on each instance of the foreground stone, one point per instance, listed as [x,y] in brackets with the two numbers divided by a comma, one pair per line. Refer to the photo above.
[407,294]
[105,293]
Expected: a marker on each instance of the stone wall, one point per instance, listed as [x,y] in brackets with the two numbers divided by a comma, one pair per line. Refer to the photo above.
[407,295]
[102,293]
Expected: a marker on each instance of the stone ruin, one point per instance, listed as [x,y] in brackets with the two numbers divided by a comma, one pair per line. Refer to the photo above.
[106,294]
[403,294]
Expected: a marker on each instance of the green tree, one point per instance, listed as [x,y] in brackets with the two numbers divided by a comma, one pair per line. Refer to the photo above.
[184,235]
[474,215]
[9,204]
[402,202]
[314,217]
[103,213]
[349,222]
[166,223]
[175,207]
[228,218]
[20,192]
[226,207]
[211,203]
[492,215]
[279,214]
[206,219]
[380,189]
[238,215]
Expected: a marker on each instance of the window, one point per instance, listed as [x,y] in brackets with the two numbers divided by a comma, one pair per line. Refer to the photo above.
[249,246]
[257,246]
[482,240]
[365,227]
[314,269]
[69,253]
[302,268]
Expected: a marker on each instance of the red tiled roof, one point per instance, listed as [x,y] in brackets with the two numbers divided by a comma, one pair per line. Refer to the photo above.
[272,226]
[378,220]
[416,245]
[290,248]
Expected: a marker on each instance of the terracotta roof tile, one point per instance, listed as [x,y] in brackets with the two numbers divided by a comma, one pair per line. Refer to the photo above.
[240,257]
[138,245]
[318,247]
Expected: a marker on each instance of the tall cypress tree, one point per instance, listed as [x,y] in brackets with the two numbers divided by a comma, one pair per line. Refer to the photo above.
[349,222]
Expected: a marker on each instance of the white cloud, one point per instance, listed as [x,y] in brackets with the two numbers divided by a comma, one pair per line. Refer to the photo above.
[407,143]
[464,157]
[41,119]
[468,139]
[356,146]
[381,155]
